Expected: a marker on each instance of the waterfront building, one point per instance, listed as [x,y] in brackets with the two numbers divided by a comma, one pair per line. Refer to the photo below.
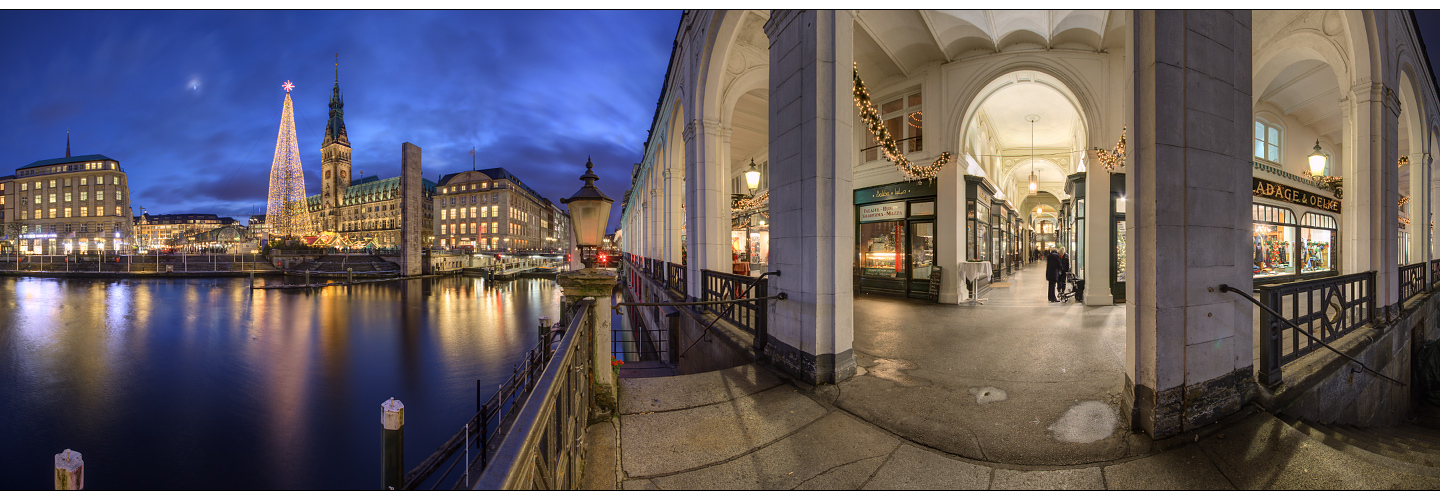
[257,225]
[1171,152]
[68,204]
[365,211]
[492,210]
[168,230]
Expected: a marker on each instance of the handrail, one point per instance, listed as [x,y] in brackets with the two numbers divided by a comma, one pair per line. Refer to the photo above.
[513,458]
[782,296]
[727,311]
[1227,288]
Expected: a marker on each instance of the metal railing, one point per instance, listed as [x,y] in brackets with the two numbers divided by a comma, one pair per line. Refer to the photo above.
[1434,273]
[675,279]
[502,416]
[747,316]
[544,448]
[1329,307]
[1412,281]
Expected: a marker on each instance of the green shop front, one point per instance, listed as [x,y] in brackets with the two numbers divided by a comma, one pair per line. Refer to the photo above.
[1073,239]
[895,238]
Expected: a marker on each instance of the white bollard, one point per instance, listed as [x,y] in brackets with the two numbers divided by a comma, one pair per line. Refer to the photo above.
[69,471]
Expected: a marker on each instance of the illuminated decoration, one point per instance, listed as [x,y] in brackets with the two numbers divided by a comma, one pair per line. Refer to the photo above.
[1317,160]
[752,177]
[748,204]
[871,116]
[287,213]
[1113,159]
[1404,221]
[1034,181]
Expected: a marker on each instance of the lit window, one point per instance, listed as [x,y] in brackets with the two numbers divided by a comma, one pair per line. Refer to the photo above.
[37,214]
[24,186]
[84,181]
[52,198]
[52,213]
[52,183]
[99,196]
[1267,141]
[442,215]
[84,211]
[67,196]
[100,211]
[118,197]
[67,211]
[84,195]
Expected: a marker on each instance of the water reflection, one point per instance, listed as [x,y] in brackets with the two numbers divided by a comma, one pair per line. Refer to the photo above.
[206,384]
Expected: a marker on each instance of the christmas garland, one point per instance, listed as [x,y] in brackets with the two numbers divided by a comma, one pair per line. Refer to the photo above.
[1113,159]
[871,116]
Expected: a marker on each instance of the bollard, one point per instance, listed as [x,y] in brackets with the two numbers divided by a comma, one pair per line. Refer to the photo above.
[545,332]
[392,438]
[349,274]
[307,277]
[69,471]
[252,279]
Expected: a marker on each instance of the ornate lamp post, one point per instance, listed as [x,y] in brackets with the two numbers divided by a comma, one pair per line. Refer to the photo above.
[590,212]
[1317,161]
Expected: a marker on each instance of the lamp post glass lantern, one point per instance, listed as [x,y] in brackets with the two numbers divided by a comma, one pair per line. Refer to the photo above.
[590,211]
[1317,160]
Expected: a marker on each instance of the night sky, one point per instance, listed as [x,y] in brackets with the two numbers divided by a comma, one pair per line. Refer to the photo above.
[189,102]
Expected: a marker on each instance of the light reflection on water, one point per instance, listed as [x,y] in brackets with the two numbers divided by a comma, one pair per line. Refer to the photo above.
[205,384]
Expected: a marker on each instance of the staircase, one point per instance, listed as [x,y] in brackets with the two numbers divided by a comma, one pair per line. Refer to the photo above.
[338,264]
[1412,446]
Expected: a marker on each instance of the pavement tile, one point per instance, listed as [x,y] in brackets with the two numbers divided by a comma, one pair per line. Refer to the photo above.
[1263,453]
[1184,468]
[850,476]
[914,468]
[639,395]
[664,443]
[833,442]
[1088,478]
[637,485]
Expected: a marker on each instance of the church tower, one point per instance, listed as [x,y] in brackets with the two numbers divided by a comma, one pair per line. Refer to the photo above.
[334,159]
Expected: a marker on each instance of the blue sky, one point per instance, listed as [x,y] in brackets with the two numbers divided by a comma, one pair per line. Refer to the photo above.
[189,102]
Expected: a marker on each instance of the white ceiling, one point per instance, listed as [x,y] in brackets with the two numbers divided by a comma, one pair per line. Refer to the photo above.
[1008,102]
[1307,90]
[749,127]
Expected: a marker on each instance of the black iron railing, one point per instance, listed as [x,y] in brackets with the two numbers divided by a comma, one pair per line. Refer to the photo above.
[545,447]
[1412,281]
[1328,308]
[675,278]
[1434,273]
[500,416]
[748,316]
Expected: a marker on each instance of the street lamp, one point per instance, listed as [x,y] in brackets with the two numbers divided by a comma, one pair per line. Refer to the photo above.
[590,210]
[752,178]
[1317,160]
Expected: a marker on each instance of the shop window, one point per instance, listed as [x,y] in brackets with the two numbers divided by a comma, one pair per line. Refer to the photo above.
[1317,240]
[879,248]
[1275,244]
[1267,141]
[902,118]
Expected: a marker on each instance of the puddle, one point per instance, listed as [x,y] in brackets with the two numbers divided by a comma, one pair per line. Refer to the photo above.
[893,370]
[1087,422]
[987,394]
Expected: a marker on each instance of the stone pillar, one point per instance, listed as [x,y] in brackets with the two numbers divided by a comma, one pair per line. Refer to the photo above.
[811,202]
[708,213]
[1190,220]
[1419,203]
[1097,237]
[950,229]
[674,196]
[412,211]
[597,284]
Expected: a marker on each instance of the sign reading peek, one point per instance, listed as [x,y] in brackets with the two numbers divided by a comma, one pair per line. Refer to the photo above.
[1274,191]
[883,211]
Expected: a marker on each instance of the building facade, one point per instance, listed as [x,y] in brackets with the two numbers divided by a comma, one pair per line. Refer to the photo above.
[66,205]
[1171,150]
[171,230]
[491,210]
[364,212]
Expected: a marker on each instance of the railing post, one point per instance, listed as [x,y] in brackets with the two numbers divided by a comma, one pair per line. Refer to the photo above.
[1270,341]
[762,315]
[1370,297]
[672,341]
[392,444]
[69,471]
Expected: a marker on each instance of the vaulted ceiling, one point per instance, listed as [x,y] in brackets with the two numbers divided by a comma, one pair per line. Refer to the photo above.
[1308,92]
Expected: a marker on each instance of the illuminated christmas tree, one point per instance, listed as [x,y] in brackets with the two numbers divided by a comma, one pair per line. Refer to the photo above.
[286,211]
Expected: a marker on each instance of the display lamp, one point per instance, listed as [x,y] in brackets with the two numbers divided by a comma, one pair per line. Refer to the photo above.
[752,178]
[1317,160]
[590,210]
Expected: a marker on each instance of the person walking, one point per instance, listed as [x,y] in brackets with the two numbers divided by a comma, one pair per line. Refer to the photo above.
[1052,273]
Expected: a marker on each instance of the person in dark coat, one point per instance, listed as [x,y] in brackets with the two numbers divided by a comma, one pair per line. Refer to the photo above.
[1052,273]
[1064,272]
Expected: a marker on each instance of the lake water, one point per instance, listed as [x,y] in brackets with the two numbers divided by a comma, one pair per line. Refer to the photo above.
[205,384]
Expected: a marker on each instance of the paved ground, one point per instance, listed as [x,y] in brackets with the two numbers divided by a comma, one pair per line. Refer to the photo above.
[1014,394]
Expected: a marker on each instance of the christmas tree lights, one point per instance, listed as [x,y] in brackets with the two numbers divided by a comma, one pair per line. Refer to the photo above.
[871,116]
[285,209]
[1113,159]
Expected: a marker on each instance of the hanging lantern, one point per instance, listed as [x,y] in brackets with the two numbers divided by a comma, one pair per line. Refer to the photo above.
[1317,160]
[1034,181]
[752,178]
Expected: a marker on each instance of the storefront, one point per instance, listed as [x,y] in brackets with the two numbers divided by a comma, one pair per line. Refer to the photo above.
[750,239]
[1075,226]
[1296,233]
[895,238]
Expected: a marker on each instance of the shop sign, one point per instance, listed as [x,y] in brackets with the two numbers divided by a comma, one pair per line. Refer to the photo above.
[883,211]
[898,190]
[1267,189]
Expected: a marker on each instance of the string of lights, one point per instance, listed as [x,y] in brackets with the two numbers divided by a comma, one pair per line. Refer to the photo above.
[285,208]
[871,116]
[1113,159]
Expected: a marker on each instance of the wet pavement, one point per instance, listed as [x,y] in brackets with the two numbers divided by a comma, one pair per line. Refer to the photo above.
[1014,394]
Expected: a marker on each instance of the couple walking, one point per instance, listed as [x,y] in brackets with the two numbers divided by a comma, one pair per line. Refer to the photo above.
[1057,265]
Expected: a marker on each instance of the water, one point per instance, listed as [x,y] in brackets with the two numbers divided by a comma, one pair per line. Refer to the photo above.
[204,384]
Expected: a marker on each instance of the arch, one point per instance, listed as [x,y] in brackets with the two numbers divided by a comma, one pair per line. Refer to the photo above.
[961,111]
[720,42]
[753,78]
[1299,46]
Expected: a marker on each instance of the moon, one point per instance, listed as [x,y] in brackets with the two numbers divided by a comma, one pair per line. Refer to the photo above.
[194,84]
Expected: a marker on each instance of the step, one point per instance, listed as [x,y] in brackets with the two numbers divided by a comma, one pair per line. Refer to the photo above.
[1319,434]
[1388,447]
[1404,434]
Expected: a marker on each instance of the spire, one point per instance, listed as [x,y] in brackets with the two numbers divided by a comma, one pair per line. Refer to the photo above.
[67,143]
[335,126]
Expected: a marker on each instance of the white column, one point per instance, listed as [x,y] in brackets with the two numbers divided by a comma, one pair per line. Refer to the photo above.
[1419,201]
[1190,219]
[1369,222]
[674,196]
[811,204]
[708,217]
[1097,237]
[950,228]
